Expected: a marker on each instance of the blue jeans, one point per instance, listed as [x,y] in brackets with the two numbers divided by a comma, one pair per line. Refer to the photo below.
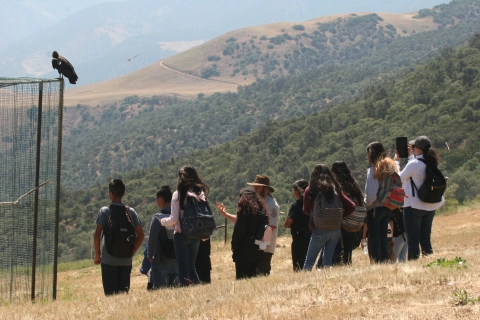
[115,279]
[319,239]
[377,223]
[400,247]
[418,225]
[164,273]
[186,252]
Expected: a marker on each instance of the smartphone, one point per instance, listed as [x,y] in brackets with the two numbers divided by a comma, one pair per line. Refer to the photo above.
[402,147]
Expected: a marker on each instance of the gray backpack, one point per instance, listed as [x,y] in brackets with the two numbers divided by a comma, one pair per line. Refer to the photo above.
[327,214]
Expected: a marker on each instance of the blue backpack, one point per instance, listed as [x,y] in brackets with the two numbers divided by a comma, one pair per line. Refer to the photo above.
[198,221]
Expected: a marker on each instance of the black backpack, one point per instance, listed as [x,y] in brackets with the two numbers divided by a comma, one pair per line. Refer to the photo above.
[198,221]
[433,187]
[120,235]
[167,245]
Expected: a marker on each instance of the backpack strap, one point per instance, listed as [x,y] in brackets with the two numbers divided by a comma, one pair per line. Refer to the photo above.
[414,186]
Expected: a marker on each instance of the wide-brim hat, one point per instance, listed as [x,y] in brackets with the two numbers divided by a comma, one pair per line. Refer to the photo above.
[263,181]
[421,142]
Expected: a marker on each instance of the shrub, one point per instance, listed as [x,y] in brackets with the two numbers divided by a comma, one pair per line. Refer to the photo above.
[213,58]
[263,38]
[229,50]
[391,27]
[231,39]
[210,72]
[298,27]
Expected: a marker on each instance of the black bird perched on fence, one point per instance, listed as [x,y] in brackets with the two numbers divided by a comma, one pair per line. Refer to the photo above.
[64,67]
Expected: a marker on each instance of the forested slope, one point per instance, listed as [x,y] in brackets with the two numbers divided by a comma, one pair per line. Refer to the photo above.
[440,99]
[101,147]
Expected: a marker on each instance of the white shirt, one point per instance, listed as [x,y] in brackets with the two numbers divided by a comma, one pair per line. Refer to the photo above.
[415,169]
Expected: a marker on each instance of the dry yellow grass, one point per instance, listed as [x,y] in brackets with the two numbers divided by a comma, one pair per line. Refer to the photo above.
[360,291]
[149,81]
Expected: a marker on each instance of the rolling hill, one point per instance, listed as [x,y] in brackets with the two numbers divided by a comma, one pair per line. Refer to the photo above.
[110,31]
[270,51]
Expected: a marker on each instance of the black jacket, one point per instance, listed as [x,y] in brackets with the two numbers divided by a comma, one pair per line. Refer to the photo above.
[243,238]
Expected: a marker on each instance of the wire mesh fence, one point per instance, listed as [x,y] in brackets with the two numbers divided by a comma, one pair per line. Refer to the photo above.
[31,112]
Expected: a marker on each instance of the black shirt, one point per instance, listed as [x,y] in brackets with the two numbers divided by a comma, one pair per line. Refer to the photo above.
[299,227]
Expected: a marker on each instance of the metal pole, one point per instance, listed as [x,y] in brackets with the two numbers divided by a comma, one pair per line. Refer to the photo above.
[57,203]
[37,183]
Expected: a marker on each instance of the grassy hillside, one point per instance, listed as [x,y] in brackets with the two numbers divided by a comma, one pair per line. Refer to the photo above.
[440,99]
[270,51]
[279,49]
[407,291]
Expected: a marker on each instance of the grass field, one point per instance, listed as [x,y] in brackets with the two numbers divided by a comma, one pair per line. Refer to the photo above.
[361,291]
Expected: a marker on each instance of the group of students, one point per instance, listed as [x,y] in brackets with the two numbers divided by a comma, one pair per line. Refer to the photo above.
[413,221]
[256,221]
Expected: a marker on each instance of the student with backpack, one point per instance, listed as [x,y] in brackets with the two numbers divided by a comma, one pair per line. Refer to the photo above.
[161,249]
[299,226]
[354,222]
[421,171]
[325,215]
[379,176]
[123,234]
[189,205]
[251,219]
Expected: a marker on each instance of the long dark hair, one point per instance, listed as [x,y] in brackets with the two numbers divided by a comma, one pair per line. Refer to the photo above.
[377,152]
[349,185]
[189,180]
[383,165]
[322,180]
[249,202]
[431,157]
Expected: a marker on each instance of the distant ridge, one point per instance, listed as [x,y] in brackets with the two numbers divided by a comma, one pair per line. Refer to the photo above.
[243,56]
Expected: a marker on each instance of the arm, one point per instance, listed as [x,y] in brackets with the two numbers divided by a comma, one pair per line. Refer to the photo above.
[96,242]
[140,237]
[409,170]
[153,237]
[230,217]
[365,230]
[174,219]
[371,188]
[274,213]
[307,202]
[288,223]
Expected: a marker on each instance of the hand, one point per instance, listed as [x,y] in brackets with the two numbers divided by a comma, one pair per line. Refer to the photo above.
[151,260]
[361,243]
[221,208]
[396,157]
[96,260]
[410,150]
